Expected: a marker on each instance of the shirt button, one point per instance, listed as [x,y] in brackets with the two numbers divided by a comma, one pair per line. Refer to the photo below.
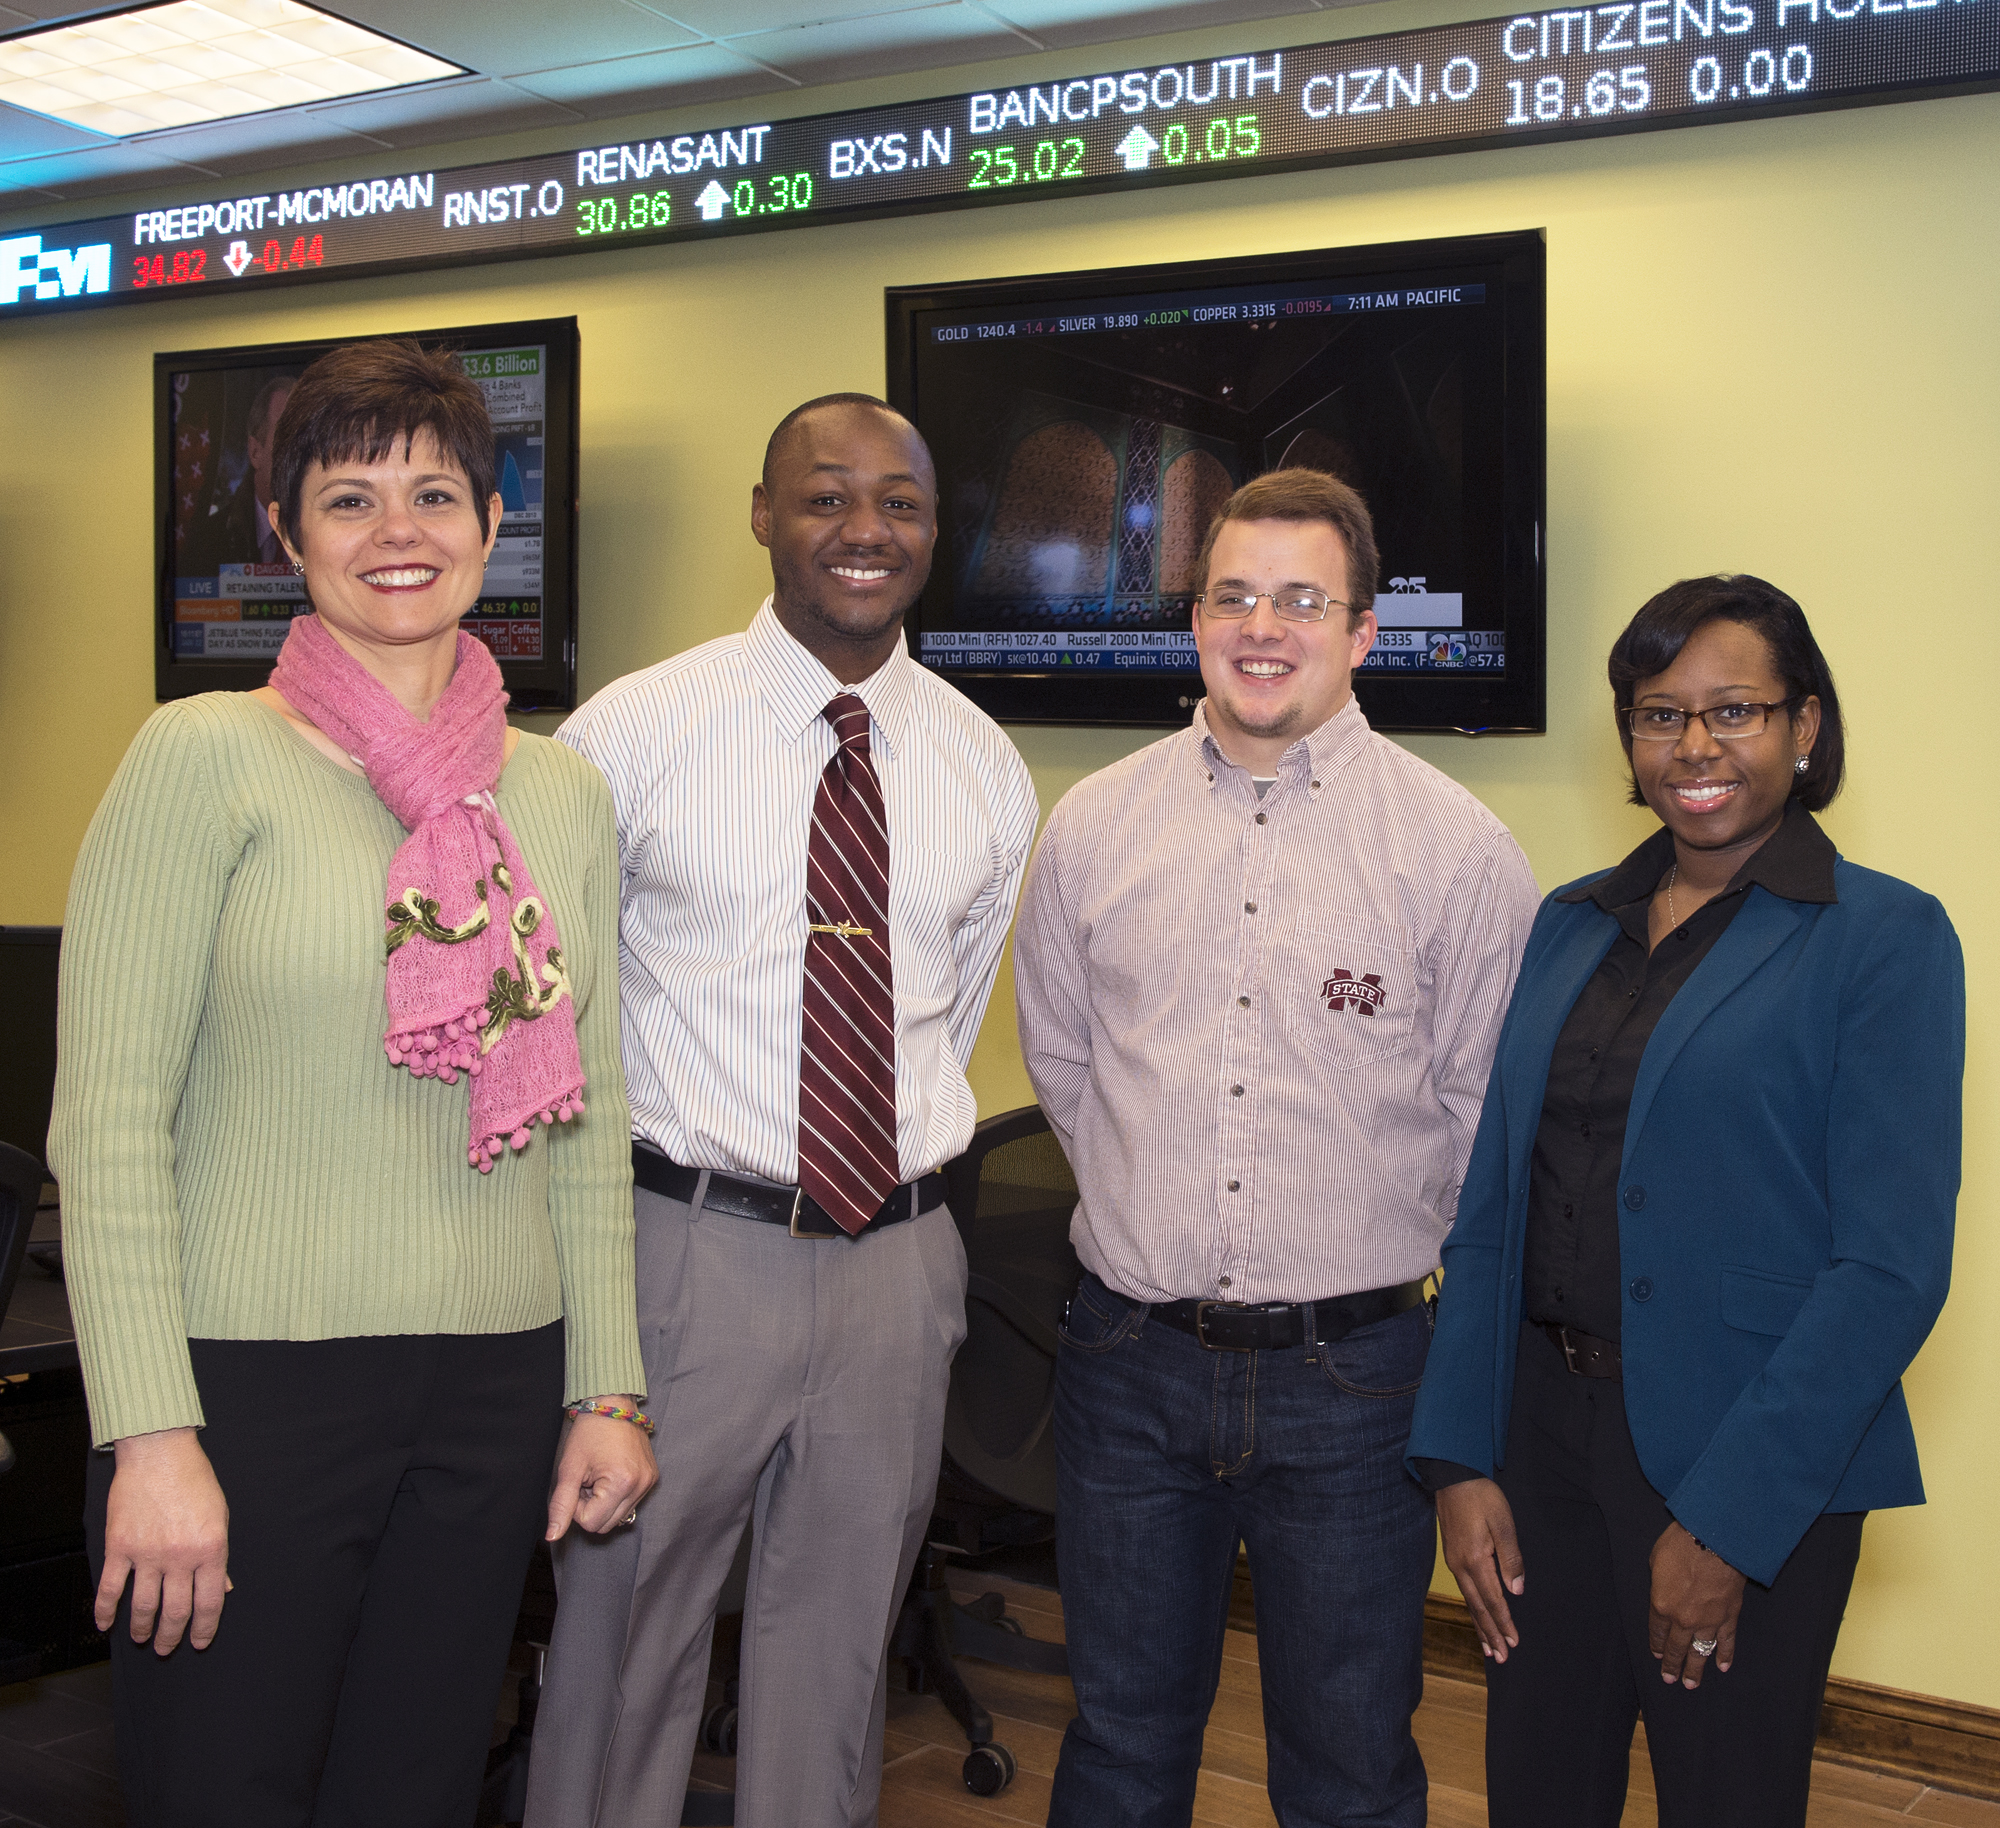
[1635,1198]
[1642,1289]
[1569,1212]
[1249,907]
[1234,1185]
[1242,1002]
[1585,1128]
[1315,784]
[1222,1282]
[1236,1091]
[1260,818]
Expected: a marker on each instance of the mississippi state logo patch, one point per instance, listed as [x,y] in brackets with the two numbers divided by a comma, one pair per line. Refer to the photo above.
[1361,994]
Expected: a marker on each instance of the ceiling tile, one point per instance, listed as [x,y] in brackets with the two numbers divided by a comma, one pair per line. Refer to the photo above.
[259,141]
[91,173]
[1062,23]
[506,37]
[915,40]
[65,12]
[739,18]
[23,134]
[444,111]
[664,79]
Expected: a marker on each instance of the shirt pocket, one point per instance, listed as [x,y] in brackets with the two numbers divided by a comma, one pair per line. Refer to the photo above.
[1756,1301]
[1349,989]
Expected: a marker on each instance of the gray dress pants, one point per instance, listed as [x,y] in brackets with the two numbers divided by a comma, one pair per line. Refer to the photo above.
[798,1384]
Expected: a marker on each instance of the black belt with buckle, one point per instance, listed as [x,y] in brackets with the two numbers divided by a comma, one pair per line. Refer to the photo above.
[1586,1355]
[1229,1326]
[792,1207]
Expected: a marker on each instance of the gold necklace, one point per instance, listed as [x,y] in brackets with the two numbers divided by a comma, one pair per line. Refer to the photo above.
[1672,875]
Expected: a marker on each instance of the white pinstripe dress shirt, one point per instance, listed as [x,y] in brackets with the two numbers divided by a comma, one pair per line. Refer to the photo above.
[714,758]
[1243,1128]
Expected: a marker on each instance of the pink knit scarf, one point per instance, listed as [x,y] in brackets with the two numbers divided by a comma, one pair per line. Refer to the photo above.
[476,981]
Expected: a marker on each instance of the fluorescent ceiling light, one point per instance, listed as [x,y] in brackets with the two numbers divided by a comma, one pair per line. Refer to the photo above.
[201,60]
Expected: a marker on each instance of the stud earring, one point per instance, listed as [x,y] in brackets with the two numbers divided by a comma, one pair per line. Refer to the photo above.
[1802,764]
[301,571]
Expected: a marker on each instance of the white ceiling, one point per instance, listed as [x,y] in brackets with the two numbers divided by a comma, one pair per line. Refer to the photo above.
[538,64]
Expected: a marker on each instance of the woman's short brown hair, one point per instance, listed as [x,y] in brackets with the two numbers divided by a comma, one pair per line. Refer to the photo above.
[1307,495]
[356,403]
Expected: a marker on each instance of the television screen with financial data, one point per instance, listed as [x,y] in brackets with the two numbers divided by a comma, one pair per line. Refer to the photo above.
[227,592]
[1086,428]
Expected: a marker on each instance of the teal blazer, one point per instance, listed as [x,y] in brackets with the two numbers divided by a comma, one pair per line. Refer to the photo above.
[1786,1200]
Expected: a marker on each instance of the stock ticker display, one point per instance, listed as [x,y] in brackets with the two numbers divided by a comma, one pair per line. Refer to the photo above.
[1628,65]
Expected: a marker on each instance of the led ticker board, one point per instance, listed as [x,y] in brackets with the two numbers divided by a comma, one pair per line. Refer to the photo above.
[1617,67]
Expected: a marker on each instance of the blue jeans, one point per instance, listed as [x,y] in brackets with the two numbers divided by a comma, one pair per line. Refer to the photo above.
[1167,1454]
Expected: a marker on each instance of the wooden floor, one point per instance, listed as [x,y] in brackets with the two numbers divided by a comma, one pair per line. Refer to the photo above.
[56,1767]
[921,1786]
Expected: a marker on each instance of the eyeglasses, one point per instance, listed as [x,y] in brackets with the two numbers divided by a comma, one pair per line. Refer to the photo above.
[1666,723]
[1293,605]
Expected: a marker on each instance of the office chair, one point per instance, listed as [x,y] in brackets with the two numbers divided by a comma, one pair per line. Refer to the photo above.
[1011,1194]
[20,1194]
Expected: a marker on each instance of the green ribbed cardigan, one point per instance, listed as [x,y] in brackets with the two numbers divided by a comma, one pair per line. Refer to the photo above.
[237,1158]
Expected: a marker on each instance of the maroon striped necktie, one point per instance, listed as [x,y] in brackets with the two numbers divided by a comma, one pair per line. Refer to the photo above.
[847,1054]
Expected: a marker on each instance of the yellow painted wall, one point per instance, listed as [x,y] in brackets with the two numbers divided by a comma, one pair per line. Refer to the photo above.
[1771,348]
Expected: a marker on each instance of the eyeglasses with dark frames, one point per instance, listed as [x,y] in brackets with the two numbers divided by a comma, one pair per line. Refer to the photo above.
[1667,723]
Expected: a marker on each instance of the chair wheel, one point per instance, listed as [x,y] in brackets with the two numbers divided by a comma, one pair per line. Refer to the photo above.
[988,1769]
[718,1730]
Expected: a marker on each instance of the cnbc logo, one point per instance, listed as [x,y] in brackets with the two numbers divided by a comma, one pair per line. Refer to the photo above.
[27,266]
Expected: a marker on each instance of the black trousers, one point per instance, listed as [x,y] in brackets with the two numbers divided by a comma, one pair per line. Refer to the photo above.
[1734,1753]
[384,1497]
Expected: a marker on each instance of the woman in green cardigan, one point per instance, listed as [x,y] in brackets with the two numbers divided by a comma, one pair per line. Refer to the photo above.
[341,1243]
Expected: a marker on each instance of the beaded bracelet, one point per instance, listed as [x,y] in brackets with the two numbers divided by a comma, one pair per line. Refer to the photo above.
[612,1412]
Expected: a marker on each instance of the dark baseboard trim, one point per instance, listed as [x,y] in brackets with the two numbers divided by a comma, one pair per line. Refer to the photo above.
[1951,1744]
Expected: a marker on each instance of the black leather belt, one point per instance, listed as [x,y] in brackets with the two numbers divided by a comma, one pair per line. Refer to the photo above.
[1229,1326]
[791,1207]
[1585,1355]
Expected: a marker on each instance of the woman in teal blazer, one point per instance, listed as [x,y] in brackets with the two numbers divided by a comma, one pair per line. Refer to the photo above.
[1706,1226]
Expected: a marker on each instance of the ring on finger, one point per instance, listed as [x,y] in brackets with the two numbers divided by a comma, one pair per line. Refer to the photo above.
[1703,1647]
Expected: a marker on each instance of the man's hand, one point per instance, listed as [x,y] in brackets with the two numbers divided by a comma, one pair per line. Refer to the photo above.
[603,1468]
[1484,1558]
[1696,1594]
[167,1529]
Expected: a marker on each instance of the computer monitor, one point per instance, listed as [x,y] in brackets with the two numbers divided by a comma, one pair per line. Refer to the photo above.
[1086,426]
[227,593]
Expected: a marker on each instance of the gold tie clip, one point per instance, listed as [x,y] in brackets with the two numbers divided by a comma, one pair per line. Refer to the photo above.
[844,929]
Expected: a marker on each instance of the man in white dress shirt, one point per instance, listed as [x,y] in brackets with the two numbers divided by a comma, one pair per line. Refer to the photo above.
[821,846]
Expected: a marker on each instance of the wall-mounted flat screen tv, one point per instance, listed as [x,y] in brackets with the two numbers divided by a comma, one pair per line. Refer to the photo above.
[1086,427]
[227,593]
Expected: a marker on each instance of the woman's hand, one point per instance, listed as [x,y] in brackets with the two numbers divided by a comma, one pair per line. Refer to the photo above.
[603,1468]
[1484,1558]
[167,1529]
[1696,1595]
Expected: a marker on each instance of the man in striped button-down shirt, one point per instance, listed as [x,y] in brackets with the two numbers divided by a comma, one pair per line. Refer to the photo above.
[1261,968]
[796,1372]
